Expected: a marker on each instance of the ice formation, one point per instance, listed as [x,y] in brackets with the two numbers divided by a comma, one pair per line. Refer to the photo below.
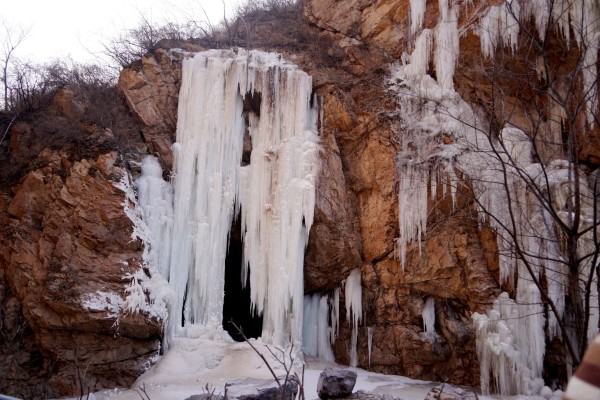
[316,331]
[446,45]
[429,316]
[369,342]
[322,320]
[417,14]
[354,310]
[511,337]
[155,196]
[150,294]
[335,314]
[578,18]
[274,194]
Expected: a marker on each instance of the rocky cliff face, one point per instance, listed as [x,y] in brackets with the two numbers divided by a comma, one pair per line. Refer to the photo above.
[66,241]
[66,248]
[356,214]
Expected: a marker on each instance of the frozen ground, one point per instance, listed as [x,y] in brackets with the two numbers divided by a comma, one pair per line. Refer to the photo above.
[212,359]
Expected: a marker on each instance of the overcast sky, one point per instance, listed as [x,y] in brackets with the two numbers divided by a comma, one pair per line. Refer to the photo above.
[75,28]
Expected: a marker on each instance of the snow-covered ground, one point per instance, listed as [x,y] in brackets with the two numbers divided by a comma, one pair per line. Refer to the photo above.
[208,359]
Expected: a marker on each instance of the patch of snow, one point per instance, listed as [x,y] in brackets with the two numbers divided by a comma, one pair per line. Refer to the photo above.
[110,302]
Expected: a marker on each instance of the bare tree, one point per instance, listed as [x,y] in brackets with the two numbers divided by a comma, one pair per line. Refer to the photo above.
[548,90]
[12,37]
[133,43]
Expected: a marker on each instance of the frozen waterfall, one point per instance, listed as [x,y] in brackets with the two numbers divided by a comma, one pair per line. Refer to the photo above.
[226,95]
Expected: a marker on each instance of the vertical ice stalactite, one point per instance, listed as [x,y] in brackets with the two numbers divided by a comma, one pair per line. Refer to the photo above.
[150,214]
[369,342]
[335,315]
[277,195]
[316,331]
[429,316]
[578,17]
[207,154]
[354,310]
[417,14]
[275,192]
[446,45]
[155,196]
[421,55]
[412,201]
[500,172]
[499,25]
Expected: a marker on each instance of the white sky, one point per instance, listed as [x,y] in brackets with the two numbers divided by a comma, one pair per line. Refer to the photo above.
[62,28]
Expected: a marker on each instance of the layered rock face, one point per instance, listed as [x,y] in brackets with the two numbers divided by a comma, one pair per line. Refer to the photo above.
[66,250]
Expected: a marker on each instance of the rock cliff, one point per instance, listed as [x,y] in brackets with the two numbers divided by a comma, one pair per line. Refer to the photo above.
[66,241]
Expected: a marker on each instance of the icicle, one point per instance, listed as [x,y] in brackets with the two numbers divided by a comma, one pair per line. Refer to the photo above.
[412,203]
[369,342]
[503,339]
[335,314]
[499,23]
[446,46]
[417,14]
[156,199]
[150,217]
[354,310]
[429,316]
[421,55]
[316,329]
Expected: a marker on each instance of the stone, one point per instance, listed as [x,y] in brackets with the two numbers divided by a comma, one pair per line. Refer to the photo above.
[262,389]
[448,392]
[335,383]
[151,91]
[66,103]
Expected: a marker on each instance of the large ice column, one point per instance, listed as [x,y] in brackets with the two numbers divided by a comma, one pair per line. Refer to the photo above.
[275,192]
[207,155]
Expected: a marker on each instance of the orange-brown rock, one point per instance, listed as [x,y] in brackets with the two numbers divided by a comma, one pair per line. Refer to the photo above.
[151,89]
[66,250]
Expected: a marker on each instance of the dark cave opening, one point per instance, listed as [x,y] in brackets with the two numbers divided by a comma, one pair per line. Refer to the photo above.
[236,305]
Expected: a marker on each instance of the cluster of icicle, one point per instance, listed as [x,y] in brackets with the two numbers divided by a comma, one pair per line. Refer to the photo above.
[322,320]
[511,337]
[578,19]
[274,195]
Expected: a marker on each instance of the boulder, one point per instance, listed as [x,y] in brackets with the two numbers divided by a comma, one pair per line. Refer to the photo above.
[336,383]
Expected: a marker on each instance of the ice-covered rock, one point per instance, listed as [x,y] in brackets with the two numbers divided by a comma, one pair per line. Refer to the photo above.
[448,392]
[336,383]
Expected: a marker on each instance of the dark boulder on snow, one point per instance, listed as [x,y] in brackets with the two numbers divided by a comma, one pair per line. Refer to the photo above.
[261,389]
[448,392]
[336,383]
